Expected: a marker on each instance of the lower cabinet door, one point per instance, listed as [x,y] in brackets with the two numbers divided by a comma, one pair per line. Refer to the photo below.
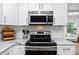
[66,50]
[17,50]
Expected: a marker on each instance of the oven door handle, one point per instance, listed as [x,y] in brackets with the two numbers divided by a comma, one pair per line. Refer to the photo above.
[40,46]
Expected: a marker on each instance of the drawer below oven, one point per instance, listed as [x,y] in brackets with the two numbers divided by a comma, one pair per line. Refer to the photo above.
[32,52]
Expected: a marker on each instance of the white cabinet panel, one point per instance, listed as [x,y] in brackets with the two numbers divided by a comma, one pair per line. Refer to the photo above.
[33,6]
[10,13]
[73,6]
[1,13]
[23,14]
[17,50]
[40,6]
[66,50]
[60,13]
[46,6]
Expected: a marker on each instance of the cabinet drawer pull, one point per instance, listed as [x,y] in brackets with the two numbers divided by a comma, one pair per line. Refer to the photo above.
[4,19]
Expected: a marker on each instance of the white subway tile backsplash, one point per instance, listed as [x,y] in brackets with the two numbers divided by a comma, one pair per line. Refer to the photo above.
[56,32]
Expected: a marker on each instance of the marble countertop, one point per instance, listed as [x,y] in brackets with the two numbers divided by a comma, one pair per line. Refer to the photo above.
[62,41]
[6,44]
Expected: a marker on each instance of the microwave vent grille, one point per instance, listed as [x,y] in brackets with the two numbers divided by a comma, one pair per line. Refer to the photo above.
[41,12]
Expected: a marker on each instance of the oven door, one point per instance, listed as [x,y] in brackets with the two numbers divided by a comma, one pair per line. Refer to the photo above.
[40,38]
[41,50]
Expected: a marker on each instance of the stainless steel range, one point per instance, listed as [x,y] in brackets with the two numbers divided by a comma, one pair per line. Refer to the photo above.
[40,43]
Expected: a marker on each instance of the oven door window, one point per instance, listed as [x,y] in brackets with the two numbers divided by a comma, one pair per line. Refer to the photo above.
[38,19]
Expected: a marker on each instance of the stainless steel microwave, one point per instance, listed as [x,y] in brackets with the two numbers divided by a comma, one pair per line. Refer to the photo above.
[41,18]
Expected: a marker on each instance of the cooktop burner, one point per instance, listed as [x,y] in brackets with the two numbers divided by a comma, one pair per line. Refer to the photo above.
[52,43]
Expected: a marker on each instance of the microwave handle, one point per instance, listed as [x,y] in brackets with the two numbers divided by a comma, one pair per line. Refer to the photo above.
[4,19]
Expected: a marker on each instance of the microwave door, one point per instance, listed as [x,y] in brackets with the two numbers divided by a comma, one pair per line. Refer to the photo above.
[38,19]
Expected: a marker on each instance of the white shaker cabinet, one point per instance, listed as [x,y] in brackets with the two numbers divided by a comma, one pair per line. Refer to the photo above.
[23,14]
[73,7]
[10,13]
[40,7]
[1,13]
[17,50]
[33,6]
[46,6]
[66,50]
[60,13]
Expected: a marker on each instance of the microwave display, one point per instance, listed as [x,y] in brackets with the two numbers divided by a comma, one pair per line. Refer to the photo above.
[50,18]
[38,19]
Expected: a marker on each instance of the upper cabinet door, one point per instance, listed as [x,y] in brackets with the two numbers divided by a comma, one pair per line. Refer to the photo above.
[23,14]
[60,13]
[33,6]
[73,7]
[46,6]
[1,13]
[10,13]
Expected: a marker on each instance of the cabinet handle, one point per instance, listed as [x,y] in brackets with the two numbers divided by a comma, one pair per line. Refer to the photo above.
[4,19]
[40,6]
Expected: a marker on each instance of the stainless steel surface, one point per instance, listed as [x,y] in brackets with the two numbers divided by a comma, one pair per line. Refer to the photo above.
[25,36]
[38,23]
[40,12]
[46,12]
[40,42]
[44,33]
[41,48]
